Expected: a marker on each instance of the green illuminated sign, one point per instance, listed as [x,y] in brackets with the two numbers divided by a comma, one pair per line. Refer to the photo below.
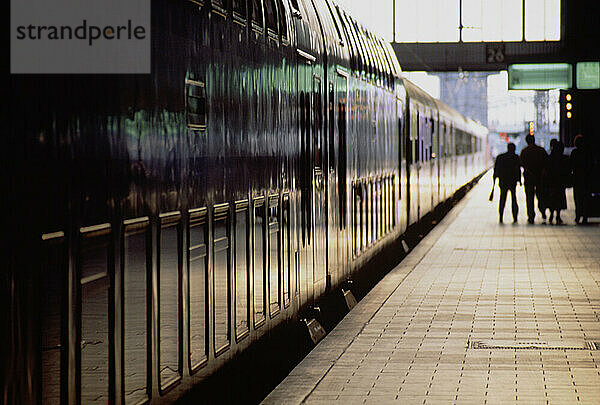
[588,75]
[540,76]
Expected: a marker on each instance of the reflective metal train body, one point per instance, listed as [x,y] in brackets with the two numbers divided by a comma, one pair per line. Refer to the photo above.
[163,223]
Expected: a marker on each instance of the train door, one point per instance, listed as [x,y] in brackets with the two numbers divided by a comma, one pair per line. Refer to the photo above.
[319,189]
[403,195]
[337,239]
[305,231]
[333,202]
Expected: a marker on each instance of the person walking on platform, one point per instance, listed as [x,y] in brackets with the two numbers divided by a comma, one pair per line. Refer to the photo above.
[533,160]
[554,181]
[507,170]
[581,165]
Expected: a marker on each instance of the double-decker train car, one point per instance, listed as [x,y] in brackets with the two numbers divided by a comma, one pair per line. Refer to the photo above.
[161,224]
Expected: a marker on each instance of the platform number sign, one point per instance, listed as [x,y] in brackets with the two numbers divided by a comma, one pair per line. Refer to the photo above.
[494,53]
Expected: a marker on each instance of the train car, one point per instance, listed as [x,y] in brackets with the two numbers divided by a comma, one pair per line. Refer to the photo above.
[162,224]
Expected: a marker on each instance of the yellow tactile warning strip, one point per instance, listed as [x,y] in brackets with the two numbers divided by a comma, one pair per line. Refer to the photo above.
[411,339]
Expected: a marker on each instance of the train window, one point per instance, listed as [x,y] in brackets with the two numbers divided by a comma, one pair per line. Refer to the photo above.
[362,206]
[286,247]
[95,293]
[331,118]
[337,27]
[367,235]
[388,63]
[375,54]
[354,221]
[342,168]
[239,9]
[195,102]
[367,213]
[271,16]
[256,14]
[282,19]
[274,254]
[377,209]
[367,66]
[54,280]
[368,50]
[408,149]
[168,298]
[394,201]
[388,204]
[373,213]
[350,40]
[259,260]
[241,268]
[221,267]
[135,308]
[317,130]
[382,206]
[219,7]
[197,267]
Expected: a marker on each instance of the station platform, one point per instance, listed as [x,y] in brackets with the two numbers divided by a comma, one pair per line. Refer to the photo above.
[477,313]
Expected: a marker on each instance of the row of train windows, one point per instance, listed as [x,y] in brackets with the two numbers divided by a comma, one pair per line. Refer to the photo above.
[374,208]
[367,52]
[464,144]
[260,13]
[237,267]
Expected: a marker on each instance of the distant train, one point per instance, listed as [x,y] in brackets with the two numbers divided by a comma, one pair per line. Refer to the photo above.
[160,224]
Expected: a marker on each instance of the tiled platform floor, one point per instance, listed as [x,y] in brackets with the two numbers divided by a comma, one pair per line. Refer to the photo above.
[413,339]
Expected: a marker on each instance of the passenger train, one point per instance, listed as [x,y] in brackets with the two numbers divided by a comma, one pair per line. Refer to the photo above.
[161,224]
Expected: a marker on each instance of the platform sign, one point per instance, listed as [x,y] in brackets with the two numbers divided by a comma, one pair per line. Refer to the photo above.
[540,76]
[588,75]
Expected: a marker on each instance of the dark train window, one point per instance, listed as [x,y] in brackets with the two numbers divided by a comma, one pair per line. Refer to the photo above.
[135,273]
[197,267]
[366,207]
[258,260]
[169,240]
[271,15]
[282,20]
[239,8]
[95,306]
[274,254]
[286,248]
[221,267]
[256,13]
[195,102]
[376,210]
[241,268]
[372,212]
[219,7]
[331,127]
[394,201]
[382,207]
[53,299]
[342,168]
[318,119]
[350,40]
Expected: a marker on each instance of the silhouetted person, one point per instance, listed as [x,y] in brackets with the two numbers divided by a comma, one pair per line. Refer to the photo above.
[507,170]
[555,179]
[581,165]
[533,160]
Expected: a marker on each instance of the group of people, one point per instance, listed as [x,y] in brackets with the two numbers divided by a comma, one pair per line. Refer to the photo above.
[545,177]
